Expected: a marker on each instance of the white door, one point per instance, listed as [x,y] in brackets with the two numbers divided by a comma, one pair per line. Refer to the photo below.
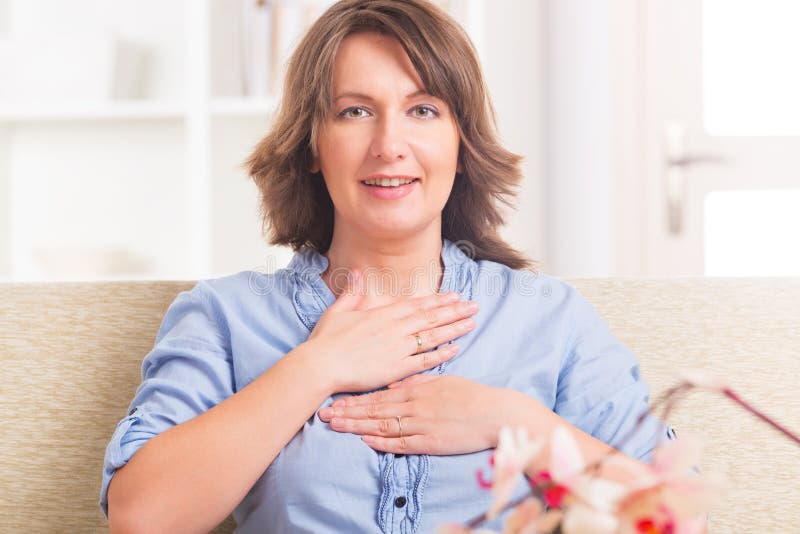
[721,137]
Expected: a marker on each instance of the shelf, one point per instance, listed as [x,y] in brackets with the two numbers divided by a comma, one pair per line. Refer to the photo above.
[174,154]
[244,107]
[79,111]
[133,110]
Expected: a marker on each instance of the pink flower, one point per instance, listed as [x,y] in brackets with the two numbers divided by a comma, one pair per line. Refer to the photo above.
[591,502]
[666,497]
[513,455]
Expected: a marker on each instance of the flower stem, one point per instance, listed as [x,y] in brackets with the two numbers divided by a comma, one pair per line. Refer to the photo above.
[669,400]
[764,417]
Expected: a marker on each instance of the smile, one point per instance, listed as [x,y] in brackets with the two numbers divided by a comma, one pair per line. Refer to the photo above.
[389,189]
[389,182]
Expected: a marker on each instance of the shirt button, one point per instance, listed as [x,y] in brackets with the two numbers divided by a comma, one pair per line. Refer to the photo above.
[400,502]
[132,411]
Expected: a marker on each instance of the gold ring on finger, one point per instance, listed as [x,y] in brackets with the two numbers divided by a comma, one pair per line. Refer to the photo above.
[399,426]
[419,343]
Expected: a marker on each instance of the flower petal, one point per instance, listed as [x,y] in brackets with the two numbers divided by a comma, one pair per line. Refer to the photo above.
[677,457]
[566,459]
[695,525]
[600,493]
[580,519]
[513,454]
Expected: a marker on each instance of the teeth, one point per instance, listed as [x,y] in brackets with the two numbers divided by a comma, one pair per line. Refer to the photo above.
[389,182]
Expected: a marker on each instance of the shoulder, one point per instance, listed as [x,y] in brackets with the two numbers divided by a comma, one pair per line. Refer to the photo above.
[522,287]
[241,295]
[244,286]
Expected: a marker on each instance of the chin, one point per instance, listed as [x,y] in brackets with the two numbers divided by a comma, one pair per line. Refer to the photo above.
[391,233]
[392,229]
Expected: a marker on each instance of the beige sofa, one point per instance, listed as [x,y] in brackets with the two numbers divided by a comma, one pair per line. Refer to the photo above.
[71,355]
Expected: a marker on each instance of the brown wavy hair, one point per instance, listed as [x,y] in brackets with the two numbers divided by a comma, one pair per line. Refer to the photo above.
[295,206]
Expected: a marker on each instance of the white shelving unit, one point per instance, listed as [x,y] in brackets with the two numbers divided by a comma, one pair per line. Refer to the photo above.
[44,112]
[151,187]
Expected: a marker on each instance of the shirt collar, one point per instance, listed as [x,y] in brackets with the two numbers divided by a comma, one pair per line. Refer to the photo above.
[312,296]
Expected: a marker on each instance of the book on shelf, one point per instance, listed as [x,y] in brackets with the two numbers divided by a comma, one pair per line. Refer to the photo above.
[270,31]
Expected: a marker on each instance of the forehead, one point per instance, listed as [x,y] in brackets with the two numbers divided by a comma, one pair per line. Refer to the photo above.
[373,61]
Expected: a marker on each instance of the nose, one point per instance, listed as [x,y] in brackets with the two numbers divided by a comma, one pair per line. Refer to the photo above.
[388,142]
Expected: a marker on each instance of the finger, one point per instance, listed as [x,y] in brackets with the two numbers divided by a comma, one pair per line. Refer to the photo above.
[412,381]
[380,396]
[412,444]
[386,427]
[408,307]
[442,335]
[417,363]
[430,318]
[352,293]
[372,410]
[404,314]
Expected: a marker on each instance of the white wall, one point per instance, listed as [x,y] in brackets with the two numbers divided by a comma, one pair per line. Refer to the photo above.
[5,204]
[514,71]
[577,158]
[593,137]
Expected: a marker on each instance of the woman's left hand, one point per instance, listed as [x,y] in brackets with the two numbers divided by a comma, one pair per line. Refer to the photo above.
[439,415]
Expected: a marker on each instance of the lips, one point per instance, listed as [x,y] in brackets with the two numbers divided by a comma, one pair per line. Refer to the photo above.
[384,193]
[388,180]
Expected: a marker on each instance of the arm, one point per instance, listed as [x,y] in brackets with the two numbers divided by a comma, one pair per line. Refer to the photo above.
[202,445]
[191,476]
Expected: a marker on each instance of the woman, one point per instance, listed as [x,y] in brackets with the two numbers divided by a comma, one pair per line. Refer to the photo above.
[266,395]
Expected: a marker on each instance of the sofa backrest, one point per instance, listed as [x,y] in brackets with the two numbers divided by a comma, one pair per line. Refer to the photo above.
[71,361]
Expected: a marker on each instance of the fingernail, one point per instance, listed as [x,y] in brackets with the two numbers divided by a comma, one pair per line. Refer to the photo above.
[452,349]
[325,412]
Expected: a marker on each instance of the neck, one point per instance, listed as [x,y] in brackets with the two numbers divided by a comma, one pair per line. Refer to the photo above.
[391,267]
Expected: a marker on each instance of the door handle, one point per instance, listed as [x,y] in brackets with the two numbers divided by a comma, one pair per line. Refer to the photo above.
[678,159]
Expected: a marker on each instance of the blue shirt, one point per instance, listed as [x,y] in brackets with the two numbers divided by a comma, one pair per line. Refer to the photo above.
[535,334]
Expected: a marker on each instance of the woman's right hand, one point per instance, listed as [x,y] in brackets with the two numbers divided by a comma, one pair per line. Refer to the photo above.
[367,348]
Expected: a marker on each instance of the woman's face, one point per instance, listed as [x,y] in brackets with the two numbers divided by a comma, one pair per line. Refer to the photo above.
[383,123]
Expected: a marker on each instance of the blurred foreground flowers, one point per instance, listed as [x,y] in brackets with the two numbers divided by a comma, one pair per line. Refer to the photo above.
[667,496]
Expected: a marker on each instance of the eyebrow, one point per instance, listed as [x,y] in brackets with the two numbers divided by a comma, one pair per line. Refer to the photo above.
[367,97]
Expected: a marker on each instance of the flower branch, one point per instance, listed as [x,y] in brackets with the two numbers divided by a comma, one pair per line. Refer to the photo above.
[662,498]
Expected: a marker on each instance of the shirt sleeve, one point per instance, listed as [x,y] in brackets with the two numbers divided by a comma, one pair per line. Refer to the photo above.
[188,371]
[600,389]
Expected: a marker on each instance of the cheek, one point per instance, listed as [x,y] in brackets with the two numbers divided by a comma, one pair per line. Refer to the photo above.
[438,150]
[343,153]
[338,160]
[437,155]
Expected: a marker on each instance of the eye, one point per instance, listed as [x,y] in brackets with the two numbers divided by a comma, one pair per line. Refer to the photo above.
[345,113]
[429,112]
